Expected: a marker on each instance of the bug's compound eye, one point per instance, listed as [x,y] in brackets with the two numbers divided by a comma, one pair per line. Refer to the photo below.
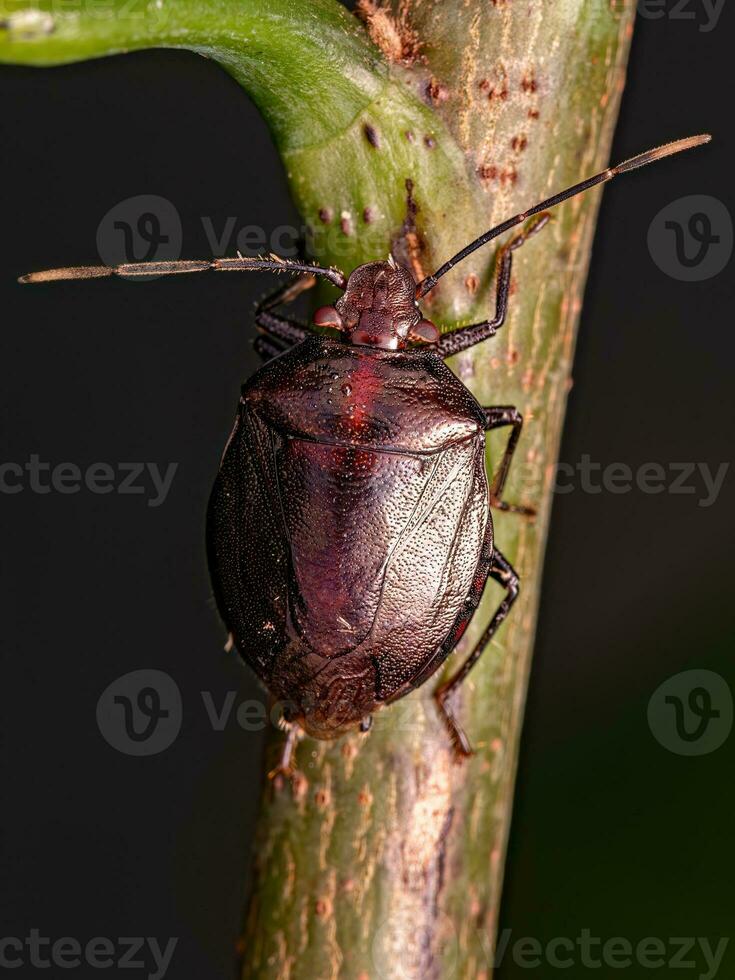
[327,316]
[424,331]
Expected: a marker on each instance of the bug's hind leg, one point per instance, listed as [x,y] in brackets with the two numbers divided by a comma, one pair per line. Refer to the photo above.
[498,417]
[285,767]
[502,572]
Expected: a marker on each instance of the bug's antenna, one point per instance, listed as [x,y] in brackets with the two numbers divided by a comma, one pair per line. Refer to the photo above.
[638,161]
[271,263]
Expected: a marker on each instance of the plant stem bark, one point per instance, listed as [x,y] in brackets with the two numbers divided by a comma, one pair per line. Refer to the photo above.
[413,132]
[387,859]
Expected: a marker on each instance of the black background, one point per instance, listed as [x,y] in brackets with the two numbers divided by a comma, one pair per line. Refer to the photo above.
[611,832]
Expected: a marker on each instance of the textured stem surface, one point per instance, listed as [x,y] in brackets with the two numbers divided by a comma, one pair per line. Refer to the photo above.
[415,133]
[388,859]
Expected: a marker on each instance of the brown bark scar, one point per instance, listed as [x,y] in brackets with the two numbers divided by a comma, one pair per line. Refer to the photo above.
[408,245]
[529,83]
[398,41]
[436,92]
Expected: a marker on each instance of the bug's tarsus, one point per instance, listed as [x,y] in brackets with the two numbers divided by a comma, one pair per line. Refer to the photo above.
[459,741]
[285,768]
[288,292]
[131,270]
[533,227]
[507,508]
[650,156]
[475,333]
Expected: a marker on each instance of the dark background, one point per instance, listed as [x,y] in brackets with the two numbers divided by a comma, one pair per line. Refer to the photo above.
[612,832]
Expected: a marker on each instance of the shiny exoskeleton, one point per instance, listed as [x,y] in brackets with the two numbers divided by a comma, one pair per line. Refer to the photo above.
[349,530]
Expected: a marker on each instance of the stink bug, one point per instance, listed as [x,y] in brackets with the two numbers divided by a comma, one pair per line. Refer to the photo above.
[349,532]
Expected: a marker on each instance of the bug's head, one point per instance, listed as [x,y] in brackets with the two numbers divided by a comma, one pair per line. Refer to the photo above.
[379,308]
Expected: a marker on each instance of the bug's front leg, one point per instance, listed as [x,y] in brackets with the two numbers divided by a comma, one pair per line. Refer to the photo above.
[502,572]
[475,333]
[277,333]
[497,417]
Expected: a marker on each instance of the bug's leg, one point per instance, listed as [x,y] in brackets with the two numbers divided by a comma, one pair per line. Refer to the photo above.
[502,572]
[275,328]
[475,333]
[267,349]
[285,766]
[497,417]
